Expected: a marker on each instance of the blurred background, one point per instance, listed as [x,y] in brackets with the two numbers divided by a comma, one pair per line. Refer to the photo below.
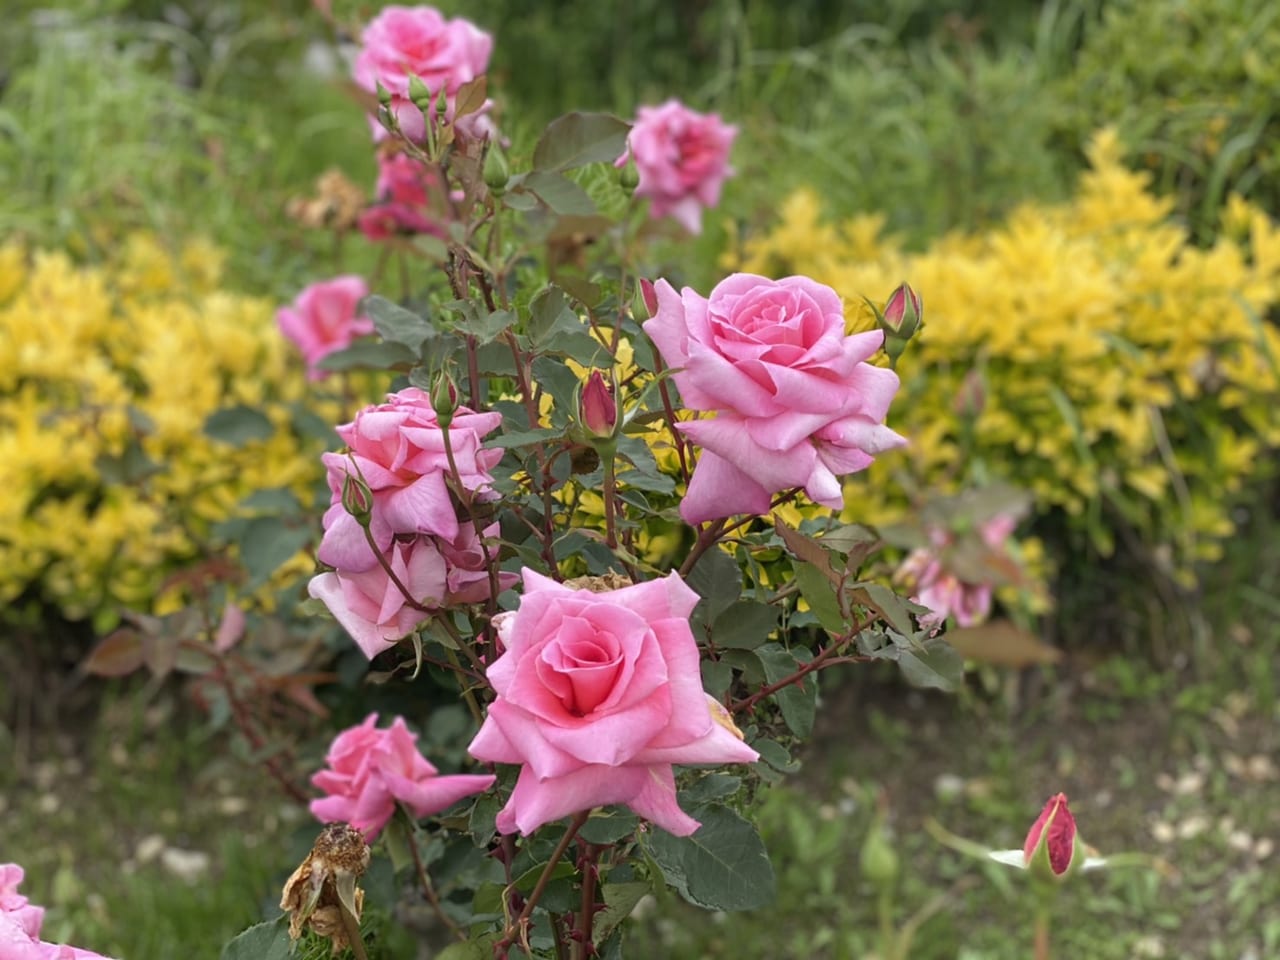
[1083,191]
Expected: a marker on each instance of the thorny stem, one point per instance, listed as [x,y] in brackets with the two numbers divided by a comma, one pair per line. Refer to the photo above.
[583,947]
[610,501]
[669,409]
[245,725]
[823,659]
[516,929]
[391,574]
[707,538]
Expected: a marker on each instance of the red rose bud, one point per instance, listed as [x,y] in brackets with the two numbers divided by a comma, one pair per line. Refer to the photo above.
[649,297]
[599,412]
[1051,843]
[902,313]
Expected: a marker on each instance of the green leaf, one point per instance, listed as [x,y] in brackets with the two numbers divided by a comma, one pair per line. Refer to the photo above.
[395,324]
[806,548]
[744,624]
[479,949]
[886,603]
[523,438]
[619,899]
[797,701]
[265,941]
[560,194]
[577,139]
[717,579]
[714,786]
[821,597]
[716,677]
[724,866]
[775,755]
[238,425]
[609,827]
[370,355]
[266,543]
[935,665]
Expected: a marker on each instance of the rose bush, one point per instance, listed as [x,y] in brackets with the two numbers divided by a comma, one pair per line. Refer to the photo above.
[795,402]
[369,771]
[682,158]
[598,694]
[325,318]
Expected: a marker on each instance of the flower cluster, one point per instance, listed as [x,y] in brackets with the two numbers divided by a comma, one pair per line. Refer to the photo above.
[20,923]
[951,588]
[795,402]
[1115,361]
[368,771]
[403,201]
[407,537]
[111,481]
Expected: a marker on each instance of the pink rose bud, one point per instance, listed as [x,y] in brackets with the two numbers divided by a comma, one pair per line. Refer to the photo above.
[599,411]
[1051,842]
[649,297]
[357,499]
[902,313]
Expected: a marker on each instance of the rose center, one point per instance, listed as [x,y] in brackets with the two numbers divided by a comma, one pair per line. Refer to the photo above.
[585,662]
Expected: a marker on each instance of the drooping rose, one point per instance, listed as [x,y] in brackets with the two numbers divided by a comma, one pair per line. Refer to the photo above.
[599,693]
[368,770]
[324,319]
[398,449]
[401,42]
[796,404]
[20,923]
[682,158]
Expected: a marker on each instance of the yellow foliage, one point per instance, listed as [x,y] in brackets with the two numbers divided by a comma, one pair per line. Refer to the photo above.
[107,376]
[1120,365]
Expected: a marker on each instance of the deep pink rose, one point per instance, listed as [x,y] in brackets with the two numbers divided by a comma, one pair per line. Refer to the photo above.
[20,923]
[682,157]
[403,202]
[404,41]
[952,593]
[598,695]
[796,404]
[398,448]
[324,319]
[369,770]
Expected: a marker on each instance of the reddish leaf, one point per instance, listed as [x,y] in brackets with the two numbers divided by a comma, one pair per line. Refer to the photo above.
[807,549]
[119,654]
[1002,643]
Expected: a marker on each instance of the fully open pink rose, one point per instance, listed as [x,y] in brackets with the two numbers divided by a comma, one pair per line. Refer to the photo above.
[324,319]
[682,157]
[796,404]
[369,770]
[598,695]
[20,923]
[401,42]
[398,449]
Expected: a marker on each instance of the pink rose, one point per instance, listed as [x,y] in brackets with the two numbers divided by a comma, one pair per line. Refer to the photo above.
[1055,830]
[682,157]
[438,574]
[398,448]
[598,695]
[324,319]
[404,200]
[796,404]
[369,770]
[945,592]
[406,41]
[20,923]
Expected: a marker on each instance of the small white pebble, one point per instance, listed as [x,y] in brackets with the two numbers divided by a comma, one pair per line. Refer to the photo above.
[48,803]
[1192,827]
[1150,947]
[947,786]
[1240,841]
[149,847]
[1263,848]
[188,865]
[1163,832]
[232,806]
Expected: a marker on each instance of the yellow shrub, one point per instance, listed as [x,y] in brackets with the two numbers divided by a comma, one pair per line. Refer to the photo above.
[1120,366]
[107,375]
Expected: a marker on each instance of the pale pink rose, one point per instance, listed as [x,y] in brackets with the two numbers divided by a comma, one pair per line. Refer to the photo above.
[324,319]
[796,404]
[20,923]
[947,592]
[368,770]
[403,200]
[406,41]
[682,157]
[598,694]
[398,448]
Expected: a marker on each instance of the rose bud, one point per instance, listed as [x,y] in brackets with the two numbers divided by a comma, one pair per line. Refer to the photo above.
[444,399]
[902,313]
[598,412]
[496,169]
[649,299]
[357,499]
[1050,848]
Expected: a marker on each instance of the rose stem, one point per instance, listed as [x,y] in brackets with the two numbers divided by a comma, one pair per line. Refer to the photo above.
[510,934]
